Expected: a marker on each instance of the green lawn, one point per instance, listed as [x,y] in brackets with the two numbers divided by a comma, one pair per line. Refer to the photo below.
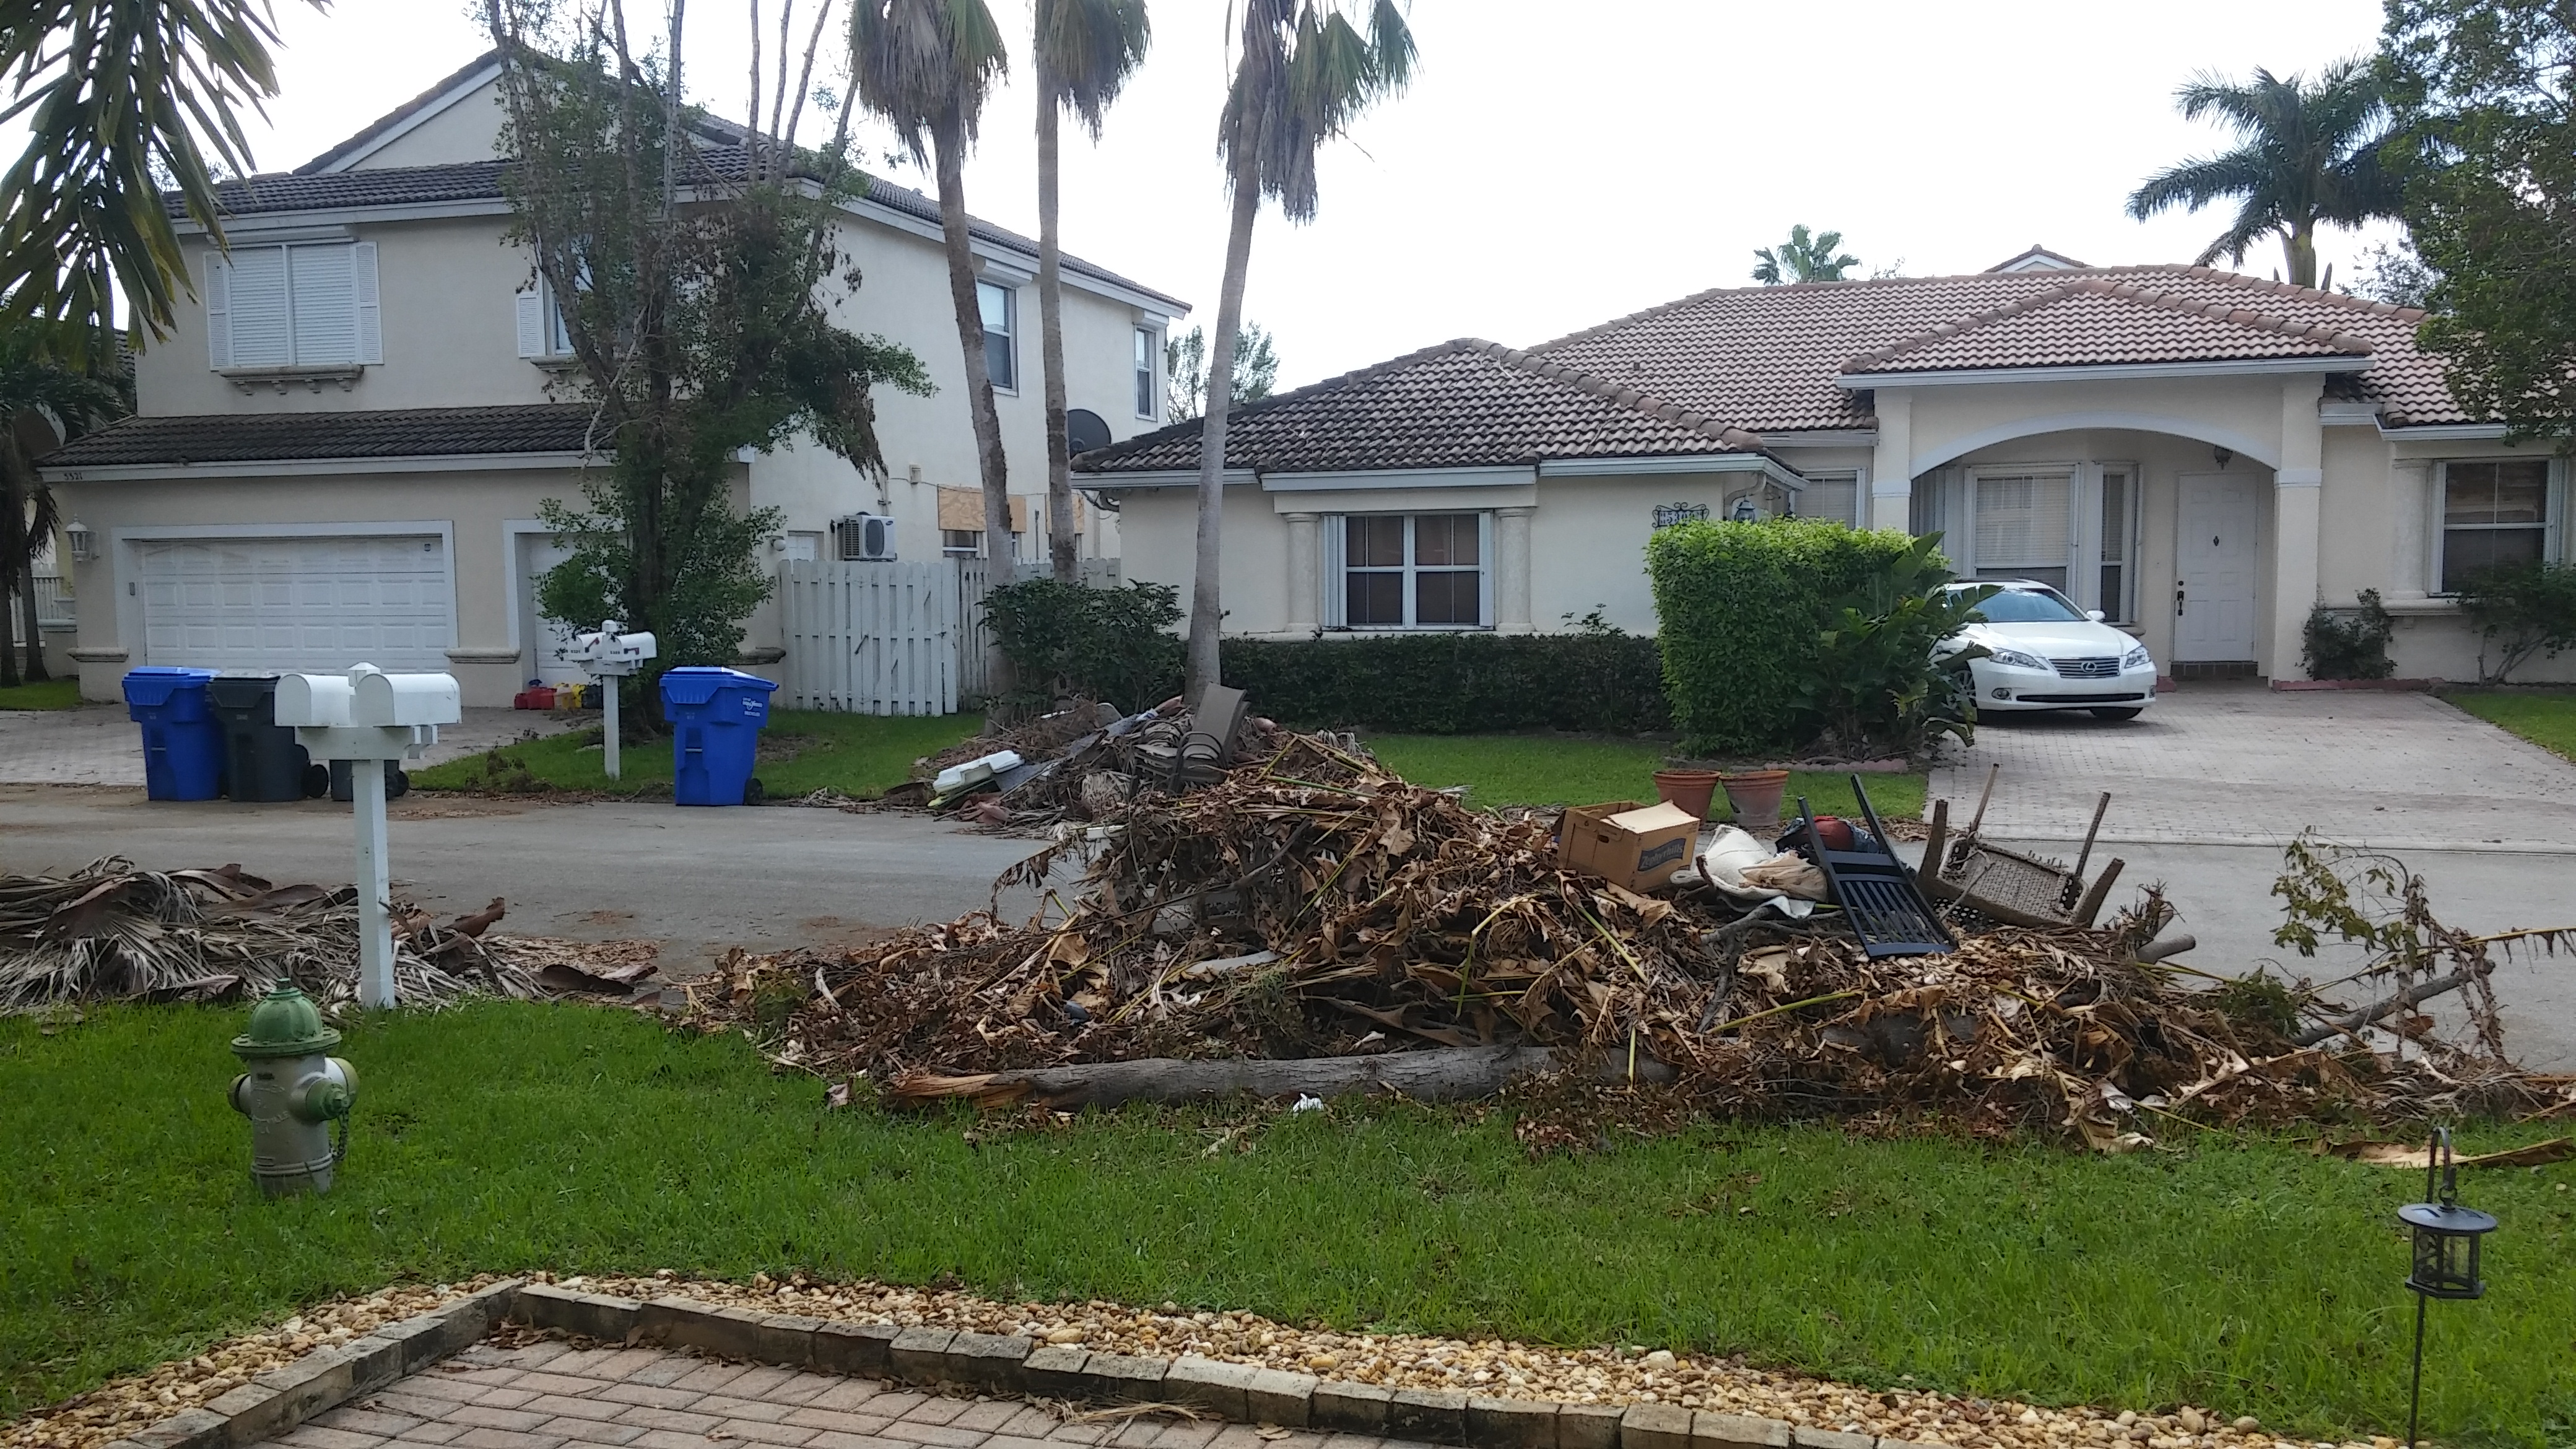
[860,755]
[52,694]
[2253,1278]
[2546,717]
[1562,770]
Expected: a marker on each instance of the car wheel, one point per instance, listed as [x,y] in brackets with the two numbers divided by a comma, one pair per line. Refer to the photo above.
[2130,713]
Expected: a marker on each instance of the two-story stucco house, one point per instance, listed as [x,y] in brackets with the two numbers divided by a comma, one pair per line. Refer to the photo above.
[340,452]
[2202,456]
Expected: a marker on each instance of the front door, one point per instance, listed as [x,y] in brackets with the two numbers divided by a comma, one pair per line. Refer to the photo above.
[2216,555]
[548,640]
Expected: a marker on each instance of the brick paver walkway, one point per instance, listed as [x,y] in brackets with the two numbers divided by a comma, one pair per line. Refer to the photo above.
[549,1395]
[99,745]
[2237,764]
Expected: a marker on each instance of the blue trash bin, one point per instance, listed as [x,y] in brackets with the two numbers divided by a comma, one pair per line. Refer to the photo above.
[716,715]
[183,741]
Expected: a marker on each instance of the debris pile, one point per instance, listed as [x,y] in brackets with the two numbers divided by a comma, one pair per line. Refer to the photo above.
[110,931]
[1311,907]
[1087,761]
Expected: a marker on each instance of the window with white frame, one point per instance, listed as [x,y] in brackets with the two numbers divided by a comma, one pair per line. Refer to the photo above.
[1409,571]
[1149,351]
[1831,495]
[1000,306]
[2496,512]
[2119,538]
[2024,525]
[961,542]
[542,333]
[310,304]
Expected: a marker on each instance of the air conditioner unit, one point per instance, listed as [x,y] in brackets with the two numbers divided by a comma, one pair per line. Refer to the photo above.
[863,538]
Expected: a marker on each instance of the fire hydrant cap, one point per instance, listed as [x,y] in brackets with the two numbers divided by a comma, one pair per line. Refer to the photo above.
[286,1023]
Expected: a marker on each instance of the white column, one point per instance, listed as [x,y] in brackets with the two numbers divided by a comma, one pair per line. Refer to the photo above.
[1305,581]
[2298,486]
[1512,571]
[1891,466]
[374,882]
[2410,504]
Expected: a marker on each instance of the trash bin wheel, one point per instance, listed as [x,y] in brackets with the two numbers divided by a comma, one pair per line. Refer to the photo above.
[397,781]
[317,781]
[753,792]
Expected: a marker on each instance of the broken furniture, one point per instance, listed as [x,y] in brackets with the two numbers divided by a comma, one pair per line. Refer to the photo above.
[1875,890]
[2008,885]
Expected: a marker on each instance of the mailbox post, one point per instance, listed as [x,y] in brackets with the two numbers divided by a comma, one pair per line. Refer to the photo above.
[610,654]
[367,717]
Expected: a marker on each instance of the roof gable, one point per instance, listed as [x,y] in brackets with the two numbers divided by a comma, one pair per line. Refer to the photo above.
[457,86]
[1462,404]
[2098,322]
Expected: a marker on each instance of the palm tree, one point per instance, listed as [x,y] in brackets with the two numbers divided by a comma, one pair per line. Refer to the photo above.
[1306,72]
[1802,258]
[42,399]
[121,98]
[1084,53]
[927,66]
[2306,154]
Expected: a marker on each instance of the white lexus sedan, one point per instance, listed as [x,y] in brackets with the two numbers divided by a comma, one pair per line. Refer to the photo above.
[2044,653]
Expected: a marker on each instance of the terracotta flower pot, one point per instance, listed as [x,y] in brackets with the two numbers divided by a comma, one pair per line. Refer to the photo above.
[1689,789]
[1755,794]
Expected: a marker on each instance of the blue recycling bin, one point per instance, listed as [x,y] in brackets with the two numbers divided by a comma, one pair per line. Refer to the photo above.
[716,715]
[183,741]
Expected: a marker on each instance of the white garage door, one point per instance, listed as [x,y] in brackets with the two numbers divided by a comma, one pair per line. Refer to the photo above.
[268,605]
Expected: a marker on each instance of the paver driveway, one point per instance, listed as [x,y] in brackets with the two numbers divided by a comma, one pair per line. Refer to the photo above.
[549,1395]
[2238,764]
[98,745]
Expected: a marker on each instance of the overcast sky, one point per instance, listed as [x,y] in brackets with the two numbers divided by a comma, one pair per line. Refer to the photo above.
[1554,165]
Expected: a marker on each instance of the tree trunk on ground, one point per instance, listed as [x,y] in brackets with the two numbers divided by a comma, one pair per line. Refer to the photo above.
[1059,498]
[949,157]
[1207,614]
[1445,1075]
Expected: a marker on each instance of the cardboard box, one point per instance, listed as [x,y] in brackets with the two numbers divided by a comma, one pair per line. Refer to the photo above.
[1637,846]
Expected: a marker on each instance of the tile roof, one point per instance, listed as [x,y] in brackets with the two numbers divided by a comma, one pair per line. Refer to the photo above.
[400,114]
[274,437]
[2095,321]
[1461,404]
[1767,359]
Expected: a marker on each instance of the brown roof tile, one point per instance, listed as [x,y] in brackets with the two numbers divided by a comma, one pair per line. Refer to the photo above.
[2095,321]
[271,437]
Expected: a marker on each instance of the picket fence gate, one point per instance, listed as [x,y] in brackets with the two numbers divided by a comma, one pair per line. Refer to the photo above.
[872,638]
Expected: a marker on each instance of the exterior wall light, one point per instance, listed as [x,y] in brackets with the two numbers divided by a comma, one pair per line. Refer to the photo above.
[82,543]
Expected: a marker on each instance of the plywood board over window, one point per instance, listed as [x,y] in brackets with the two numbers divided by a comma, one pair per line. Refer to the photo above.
[962,509]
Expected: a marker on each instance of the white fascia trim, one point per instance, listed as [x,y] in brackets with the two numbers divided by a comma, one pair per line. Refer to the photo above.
[2445,432]
[1163,478]
[369,528]
[463,88]
[1823,438]
[2347,414]
[312,467]
[1677,463]
[261,226]
[1519,476]
[2103,372]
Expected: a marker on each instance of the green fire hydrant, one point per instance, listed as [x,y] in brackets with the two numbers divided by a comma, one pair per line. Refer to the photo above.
[290,1094]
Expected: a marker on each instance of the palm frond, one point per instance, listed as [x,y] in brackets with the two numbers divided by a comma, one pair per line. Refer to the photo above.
[2199,182]
[1086,50]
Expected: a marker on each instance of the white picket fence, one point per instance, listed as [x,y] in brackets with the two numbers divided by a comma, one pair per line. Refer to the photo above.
[871,638]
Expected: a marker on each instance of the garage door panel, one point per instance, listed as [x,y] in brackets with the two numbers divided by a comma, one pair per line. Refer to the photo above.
[273,605]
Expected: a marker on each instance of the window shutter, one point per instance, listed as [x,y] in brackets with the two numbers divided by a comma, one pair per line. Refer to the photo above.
[362,278]
[219,312]
[255,294]
[1337,602]
[532,323]
[323,311]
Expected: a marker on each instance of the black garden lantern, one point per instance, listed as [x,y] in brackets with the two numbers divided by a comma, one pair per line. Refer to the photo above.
[2446,1250]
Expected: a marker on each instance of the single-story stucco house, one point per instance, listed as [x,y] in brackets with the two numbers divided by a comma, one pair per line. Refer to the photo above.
[2202,456]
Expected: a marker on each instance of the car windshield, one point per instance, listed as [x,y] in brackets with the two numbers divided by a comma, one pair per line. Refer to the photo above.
[2029,606]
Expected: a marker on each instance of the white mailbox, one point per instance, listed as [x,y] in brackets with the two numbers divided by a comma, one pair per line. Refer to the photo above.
[406,701]
[609,652]
[315,701]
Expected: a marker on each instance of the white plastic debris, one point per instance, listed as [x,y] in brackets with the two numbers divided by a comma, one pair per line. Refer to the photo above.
[974,772]
[1306,1103]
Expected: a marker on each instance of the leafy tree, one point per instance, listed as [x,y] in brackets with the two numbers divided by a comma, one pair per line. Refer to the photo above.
[43,397]
[1185,370]
[1803,258]
[121,98]
[927,67]
[2482,90]
[1085,51]
[694,290]
[2307,154]
[2391,272]
[1304,71]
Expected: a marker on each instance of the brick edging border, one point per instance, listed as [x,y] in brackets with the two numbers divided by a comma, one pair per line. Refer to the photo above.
[995,1364]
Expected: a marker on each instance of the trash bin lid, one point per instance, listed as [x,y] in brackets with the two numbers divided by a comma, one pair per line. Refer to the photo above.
[153,684]
[242,691]
[698,683]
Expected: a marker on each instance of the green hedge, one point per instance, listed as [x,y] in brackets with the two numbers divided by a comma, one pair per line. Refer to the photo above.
[1741,608]
[1598,682]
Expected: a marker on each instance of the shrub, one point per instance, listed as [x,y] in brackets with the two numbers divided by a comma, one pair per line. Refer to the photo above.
[1775,632]
[2349,644]
[2521,610]
[1073,640]
[1872,686]
[1596,680]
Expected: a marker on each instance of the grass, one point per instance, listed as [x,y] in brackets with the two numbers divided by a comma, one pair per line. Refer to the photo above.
[1563,770]
[860,755]
[2546,717]
[2252,1277]
[51,694]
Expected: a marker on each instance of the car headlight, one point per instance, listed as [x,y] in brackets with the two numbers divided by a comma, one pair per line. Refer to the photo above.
[2136,659]
[2018,660]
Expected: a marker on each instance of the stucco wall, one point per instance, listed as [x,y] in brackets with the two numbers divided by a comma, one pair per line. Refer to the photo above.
[1159,528]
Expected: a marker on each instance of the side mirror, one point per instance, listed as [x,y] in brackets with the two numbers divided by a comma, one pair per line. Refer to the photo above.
[2096,615]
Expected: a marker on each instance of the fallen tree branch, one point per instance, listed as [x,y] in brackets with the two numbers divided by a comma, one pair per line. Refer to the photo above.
[2414,995]
[1454,1074]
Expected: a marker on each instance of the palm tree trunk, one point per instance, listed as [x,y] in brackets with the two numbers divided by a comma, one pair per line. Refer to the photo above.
[948,151]
[2300,245]
[17,563]
[1206,612]
[1059,500]
[37,673]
